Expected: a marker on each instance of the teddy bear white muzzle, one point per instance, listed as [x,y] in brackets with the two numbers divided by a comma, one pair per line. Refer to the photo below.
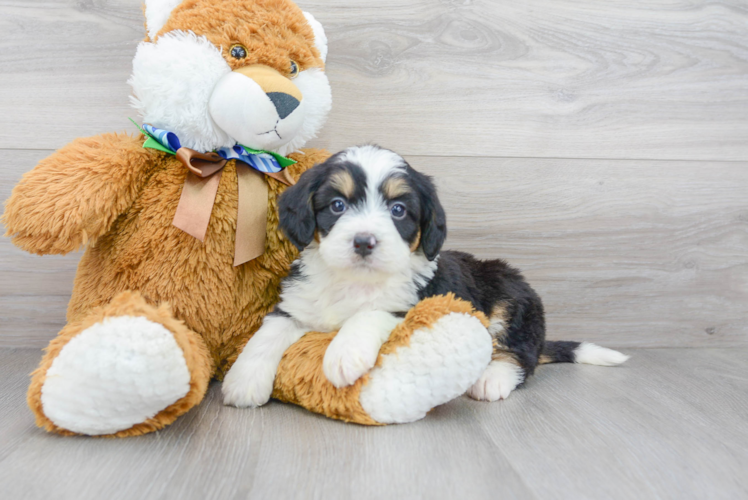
[257,106]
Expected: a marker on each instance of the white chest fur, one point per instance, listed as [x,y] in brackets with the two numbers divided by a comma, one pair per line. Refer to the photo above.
[322,298]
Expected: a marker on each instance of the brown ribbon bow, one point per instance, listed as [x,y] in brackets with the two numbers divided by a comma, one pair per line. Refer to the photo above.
[199,195]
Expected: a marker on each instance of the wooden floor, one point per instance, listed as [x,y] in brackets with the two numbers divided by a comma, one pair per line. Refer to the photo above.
[670,423]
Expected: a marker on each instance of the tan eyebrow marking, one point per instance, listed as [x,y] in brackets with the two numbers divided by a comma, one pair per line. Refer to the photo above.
[343,182]
[393,187]
[416,243]
[499,318]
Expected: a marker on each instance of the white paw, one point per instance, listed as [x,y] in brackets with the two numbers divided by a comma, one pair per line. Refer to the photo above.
[348,358]
[497,382]
[249,383]
[113,375]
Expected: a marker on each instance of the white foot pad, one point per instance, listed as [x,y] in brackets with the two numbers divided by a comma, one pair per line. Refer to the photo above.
[440,364]
[499,379]
[113,375]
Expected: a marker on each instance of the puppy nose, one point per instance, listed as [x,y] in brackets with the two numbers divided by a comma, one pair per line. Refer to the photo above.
[284,103]
[364,243]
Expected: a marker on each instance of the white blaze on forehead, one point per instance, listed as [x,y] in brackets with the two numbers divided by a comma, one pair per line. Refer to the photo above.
[378,164]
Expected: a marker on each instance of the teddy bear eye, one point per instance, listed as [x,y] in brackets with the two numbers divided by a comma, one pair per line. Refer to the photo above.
[294,69]
[238,51]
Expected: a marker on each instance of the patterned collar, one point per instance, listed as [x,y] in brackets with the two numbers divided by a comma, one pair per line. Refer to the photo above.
[260,160]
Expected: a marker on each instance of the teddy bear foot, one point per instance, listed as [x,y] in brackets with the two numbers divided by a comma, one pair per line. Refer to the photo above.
[127,368]
[114,374]
[440,363]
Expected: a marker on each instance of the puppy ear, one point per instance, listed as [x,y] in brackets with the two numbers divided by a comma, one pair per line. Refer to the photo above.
[296,210]
[433,219]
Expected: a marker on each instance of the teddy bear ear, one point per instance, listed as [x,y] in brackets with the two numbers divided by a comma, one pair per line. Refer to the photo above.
[320,39]
[157,12]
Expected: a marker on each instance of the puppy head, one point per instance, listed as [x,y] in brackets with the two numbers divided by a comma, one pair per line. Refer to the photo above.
[366,209]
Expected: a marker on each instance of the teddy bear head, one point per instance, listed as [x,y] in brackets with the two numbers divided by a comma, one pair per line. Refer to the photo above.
[223,72]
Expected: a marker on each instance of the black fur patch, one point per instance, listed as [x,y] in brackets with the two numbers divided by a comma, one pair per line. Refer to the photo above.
[304,207]
[486,283]
[433,218]
[560,351]
[327,192]
[409,227]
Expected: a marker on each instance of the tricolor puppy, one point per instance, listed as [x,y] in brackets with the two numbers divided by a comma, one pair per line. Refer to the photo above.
[371,229]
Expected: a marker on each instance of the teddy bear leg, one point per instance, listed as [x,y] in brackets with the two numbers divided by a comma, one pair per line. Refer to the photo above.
[126,369]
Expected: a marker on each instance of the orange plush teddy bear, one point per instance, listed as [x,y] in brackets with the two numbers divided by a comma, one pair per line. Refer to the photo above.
[183,253]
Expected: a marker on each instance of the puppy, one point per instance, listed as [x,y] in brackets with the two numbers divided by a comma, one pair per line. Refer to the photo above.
[371,229]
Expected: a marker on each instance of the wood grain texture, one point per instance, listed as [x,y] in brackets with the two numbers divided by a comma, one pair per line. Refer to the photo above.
[624,253]
[34,290]
[541,78]
[668,424]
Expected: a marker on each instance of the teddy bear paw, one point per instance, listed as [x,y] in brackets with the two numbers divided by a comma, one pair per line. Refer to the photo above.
[249,383]
[115,374]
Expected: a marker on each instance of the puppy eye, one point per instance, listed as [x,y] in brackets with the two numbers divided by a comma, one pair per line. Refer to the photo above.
[338,206]
[294,69]
[398,211]
[238,51]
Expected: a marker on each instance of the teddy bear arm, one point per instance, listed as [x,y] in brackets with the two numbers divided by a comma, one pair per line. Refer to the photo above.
[73,196]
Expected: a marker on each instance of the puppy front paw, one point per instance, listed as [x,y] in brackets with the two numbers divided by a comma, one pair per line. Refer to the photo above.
[347,360]
[248,384]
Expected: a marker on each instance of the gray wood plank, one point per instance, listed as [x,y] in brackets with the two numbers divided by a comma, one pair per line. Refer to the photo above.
[668,424]
[34,291]
[662,79]
[279,451]
[16,421]
[625,253]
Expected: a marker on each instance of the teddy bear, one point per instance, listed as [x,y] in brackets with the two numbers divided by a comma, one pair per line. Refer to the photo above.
[183,255]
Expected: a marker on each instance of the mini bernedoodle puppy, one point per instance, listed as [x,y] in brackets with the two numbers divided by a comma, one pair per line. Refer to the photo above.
[371,229]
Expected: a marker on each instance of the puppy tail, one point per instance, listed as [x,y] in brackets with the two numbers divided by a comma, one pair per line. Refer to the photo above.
[580,352]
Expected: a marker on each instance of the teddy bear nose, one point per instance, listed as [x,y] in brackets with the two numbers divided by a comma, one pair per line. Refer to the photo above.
[284,103]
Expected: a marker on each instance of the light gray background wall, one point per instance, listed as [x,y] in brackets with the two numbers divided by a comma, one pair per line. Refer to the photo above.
[599,146]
